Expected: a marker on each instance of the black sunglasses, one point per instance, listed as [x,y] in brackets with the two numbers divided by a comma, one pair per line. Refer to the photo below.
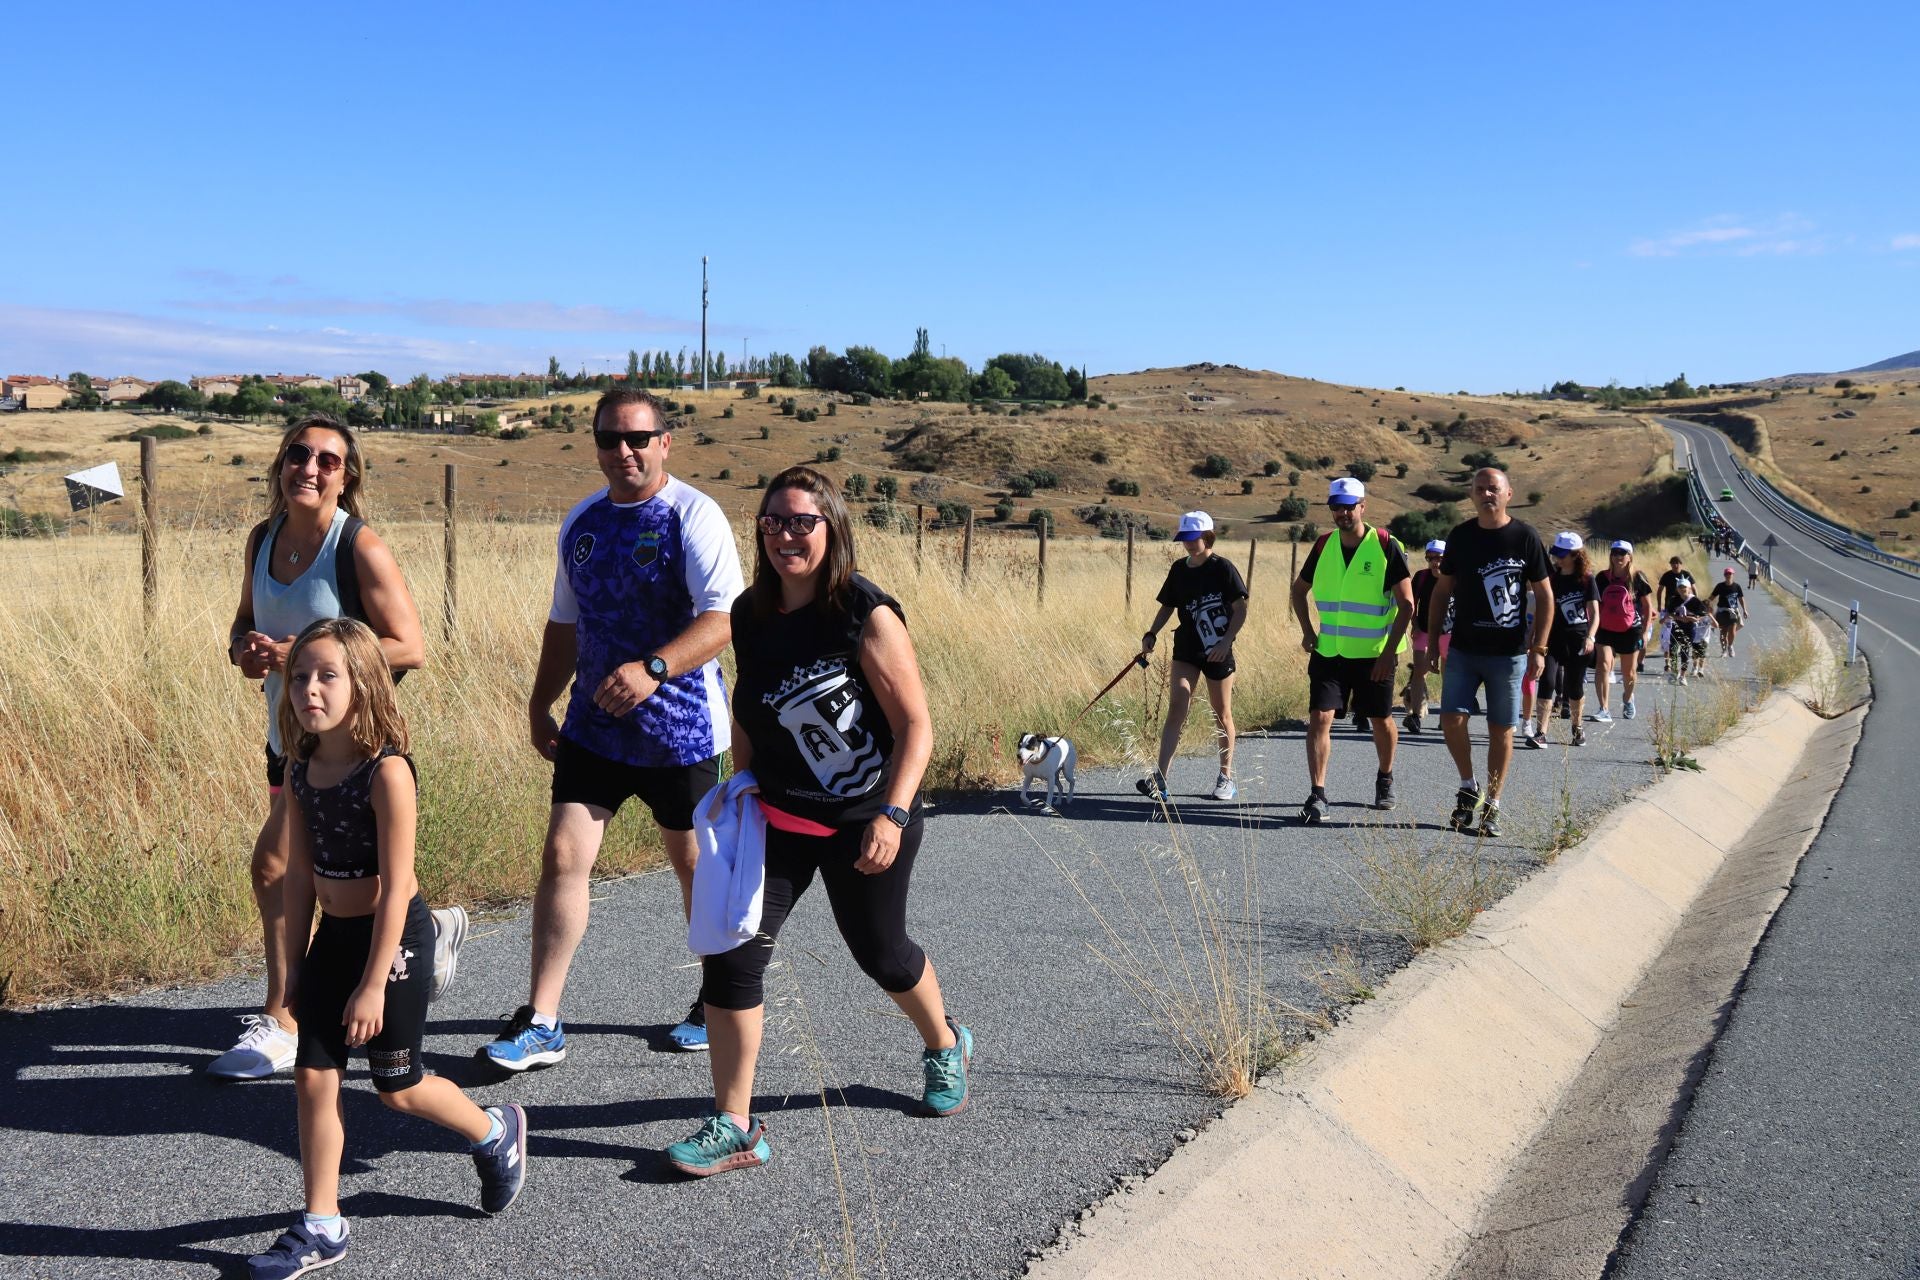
[635,440]
[798,525]
[297,455]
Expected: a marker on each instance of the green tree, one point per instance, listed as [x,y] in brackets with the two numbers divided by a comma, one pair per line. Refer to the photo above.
[553,370]
[81,394]
[377,383]
[633,368]
[994,383]
[173,397]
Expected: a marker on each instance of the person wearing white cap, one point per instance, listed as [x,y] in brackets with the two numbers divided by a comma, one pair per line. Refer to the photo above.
[1416,690]
[1498,560]
[1358,580]
[1211,598]
[1570,643]
[1626,621]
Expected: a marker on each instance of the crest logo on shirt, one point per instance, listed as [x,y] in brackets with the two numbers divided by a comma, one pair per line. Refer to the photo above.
[647,549]
[582,548]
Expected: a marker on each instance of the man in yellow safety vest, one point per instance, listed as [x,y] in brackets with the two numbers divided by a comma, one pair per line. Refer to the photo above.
[1359,582]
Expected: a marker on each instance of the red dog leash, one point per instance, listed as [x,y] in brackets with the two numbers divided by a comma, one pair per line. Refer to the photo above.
[1138,660]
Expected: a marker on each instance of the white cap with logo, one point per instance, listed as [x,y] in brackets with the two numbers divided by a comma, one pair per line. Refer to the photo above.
[1436,546]
[1346,491]
[1568,540]
[1620,544]
[1193,522]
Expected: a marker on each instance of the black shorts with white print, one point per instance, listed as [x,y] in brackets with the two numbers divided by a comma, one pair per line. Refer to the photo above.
[333,967]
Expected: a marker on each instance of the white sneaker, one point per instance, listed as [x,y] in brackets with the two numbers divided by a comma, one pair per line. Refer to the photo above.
[1223,789]
[1601,717]
[265,1049]
[449,931]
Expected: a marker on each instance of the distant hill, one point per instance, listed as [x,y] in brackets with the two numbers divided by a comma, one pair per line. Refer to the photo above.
[1911,360]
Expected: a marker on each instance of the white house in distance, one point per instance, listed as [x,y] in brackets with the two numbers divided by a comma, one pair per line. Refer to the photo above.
[351,389]
[124,390]
[217,384]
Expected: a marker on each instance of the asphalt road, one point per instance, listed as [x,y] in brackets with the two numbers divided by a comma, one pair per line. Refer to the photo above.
[1800,1155]
[120,1159]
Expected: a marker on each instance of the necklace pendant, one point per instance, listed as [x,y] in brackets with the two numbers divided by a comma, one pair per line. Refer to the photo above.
[293,557]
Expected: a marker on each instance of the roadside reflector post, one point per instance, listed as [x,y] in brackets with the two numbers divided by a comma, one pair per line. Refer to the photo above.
[1806,593]
[1853,632]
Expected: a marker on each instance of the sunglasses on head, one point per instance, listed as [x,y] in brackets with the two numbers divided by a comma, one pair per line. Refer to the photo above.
[635,440]
[297,455]
[798,525]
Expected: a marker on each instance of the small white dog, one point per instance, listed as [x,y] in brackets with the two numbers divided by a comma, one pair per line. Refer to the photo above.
[1050,760]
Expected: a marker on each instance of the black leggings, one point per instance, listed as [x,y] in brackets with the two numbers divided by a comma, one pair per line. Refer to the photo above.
[870,910]
[334,964]
[1565,675]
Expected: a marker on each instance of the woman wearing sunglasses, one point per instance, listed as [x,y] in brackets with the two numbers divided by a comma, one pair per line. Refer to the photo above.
[303,564]
[831,717]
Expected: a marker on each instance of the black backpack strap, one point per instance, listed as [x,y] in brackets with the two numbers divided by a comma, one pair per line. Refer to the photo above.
[346,573]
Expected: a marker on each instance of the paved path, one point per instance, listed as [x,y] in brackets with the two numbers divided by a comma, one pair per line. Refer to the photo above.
[1801,1153]
[120,1159]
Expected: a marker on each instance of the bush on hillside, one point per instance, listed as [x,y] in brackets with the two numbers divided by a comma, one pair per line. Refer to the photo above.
[1415,528]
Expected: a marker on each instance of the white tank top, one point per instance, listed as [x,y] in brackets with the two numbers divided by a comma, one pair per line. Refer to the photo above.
[286,610]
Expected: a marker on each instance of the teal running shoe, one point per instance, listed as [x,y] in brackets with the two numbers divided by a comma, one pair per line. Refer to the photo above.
[720,1147]
[946,1071]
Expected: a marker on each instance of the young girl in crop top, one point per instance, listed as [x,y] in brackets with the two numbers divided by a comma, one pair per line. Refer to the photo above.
[366,974]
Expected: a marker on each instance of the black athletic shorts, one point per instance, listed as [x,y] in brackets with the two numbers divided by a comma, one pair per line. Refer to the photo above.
[581,776]
[1197,657]
[1632,640]
[1347,684]
[335,962]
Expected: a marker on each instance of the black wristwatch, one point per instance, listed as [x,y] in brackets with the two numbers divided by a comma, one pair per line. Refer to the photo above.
[896,815]
[656,666]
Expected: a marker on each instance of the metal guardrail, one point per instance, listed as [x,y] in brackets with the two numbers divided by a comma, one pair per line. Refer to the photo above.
[1837,536]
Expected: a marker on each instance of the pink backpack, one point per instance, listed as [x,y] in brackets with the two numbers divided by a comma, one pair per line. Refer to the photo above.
[1617,611]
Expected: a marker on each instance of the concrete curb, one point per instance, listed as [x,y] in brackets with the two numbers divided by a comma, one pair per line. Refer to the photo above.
[1377,1154]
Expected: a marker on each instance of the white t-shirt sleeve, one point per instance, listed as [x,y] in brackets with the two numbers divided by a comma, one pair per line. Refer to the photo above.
[566,606]
[712,557]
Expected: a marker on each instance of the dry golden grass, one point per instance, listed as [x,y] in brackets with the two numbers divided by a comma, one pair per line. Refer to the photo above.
[131,770]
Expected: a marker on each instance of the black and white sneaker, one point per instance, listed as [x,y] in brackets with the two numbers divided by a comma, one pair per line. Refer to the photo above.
[1314,811]
[1466,804]
[1490,820]
[1383,791]
[502,1163]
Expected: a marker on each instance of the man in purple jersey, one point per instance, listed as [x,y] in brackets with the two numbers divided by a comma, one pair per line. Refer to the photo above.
[647,575]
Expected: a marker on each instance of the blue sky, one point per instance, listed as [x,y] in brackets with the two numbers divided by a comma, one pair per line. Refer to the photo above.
[1477,196]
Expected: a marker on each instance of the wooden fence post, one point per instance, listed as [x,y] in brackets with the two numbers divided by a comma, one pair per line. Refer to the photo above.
[1293,559]
[1252,546]
[919,533]
[149,527]
[1129,566]
[1042,526]
[966,549]
[453,548]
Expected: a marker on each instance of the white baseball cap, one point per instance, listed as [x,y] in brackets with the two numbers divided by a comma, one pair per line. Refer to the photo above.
[1194,522]
[1437,546]
[1568,540]
[1346,491]
[1620,544]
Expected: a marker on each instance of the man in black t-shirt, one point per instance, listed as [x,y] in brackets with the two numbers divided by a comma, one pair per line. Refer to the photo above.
[1670,582]
[1492,563]
[1729,610]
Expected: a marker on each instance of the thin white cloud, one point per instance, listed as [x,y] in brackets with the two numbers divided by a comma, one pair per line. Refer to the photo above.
[526,317]
[1730,234]
[1906,242]
[113,342]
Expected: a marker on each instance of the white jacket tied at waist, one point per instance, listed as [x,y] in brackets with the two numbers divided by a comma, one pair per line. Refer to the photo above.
[731,875]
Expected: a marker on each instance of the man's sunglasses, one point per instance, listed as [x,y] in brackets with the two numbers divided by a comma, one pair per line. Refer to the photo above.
[297,455]
[798,525]
[1342,506]
[635,440]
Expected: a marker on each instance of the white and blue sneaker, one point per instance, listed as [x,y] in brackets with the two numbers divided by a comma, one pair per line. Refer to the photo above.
[1601,717]
[522,1044]
[1223,788]
[502,1163]
[691,1035]
[297,1251]
[1627,708]
[265,1049]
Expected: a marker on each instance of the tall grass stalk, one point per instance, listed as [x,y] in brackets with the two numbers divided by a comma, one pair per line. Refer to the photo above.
[131,762]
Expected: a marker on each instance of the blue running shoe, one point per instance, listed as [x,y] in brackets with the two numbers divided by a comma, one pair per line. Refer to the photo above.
[523,1045]
[295,1253]
[719,1147]
[691,1035]
[502,1165]
[946,1071]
